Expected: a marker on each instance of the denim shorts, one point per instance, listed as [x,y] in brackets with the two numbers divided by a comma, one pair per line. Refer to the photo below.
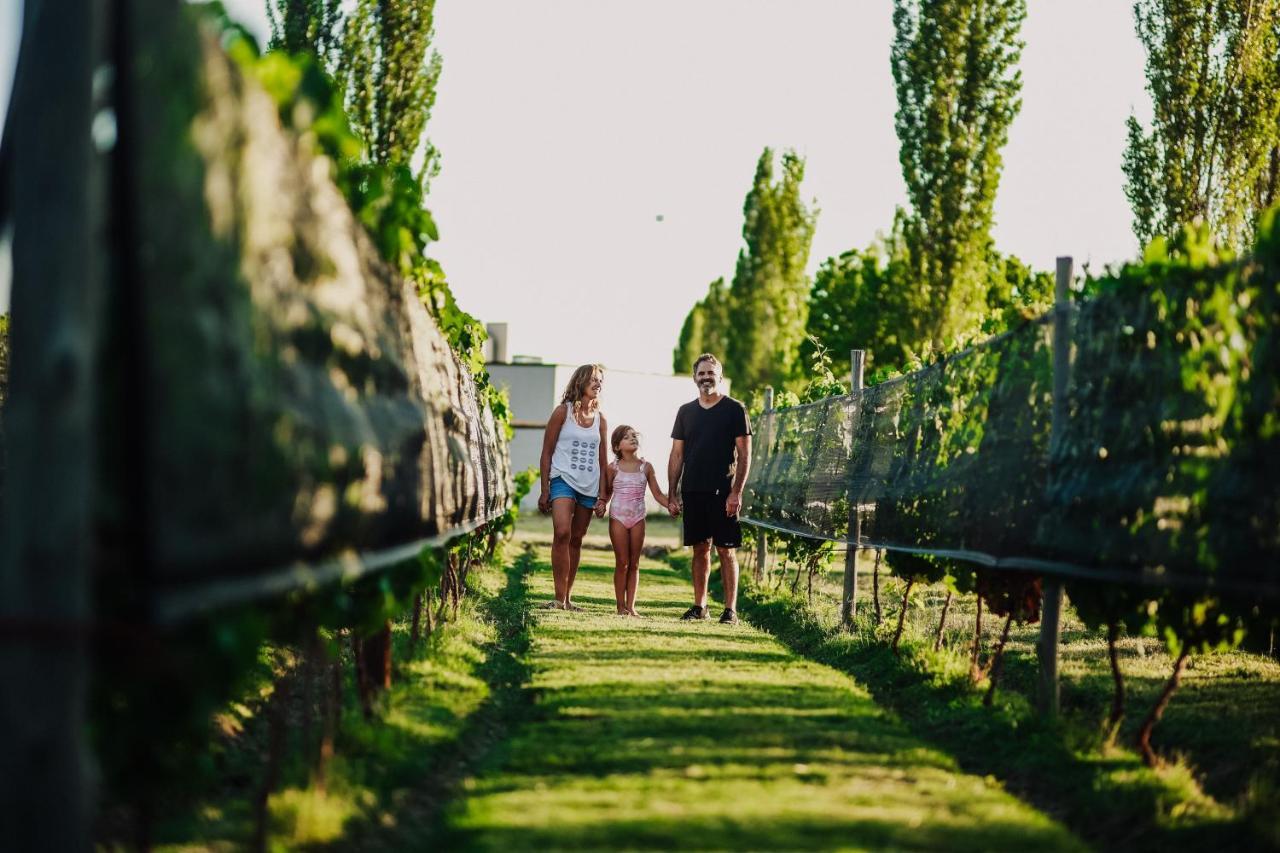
[561,489]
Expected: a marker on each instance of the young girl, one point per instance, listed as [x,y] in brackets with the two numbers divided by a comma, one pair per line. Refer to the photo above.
[625,484]
[573,475]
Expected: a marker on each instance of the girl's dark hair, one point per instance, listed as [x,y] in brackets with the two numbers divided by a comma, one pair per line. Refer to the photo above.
[578,382]
[619,433]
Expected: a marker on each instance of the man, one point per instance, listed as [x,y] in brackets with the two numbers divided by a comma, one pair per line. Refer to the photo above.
[710,457]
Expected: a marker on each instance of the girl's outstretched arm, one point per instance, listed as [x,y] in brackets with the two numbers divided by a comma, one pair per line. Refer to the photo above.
[653,487]
[549,438]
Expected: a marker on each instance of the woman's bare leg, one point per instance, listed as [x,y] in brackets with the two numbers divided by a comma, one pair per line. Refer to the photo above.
[581,520]
[636,535]
[619,536]
[562,527]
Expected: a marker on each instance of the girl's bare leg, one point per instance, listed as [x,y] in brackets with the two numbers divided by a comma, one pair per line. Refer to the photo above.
[621,559]
[562,527]
[636,535]
[581,520]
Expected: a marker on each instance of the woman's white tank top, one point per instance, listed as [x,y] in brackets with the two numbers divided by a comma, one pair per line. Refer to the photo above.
[576,458]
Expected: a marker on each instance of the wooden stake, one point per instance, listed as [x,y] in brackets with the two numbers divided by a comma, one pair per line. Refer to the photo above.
[849,601]
[1051,614]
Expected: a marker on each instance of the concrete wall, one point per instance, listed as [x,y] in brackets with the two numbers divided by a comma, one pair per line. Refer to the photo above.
[646,401]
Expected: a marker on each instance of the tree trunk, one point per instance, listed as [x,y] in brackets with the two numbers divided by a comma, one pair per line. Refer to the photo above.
[875,588]
[362,676]
[996,660]
[942,623]
[415,632]
[1144,733]
[812,569]
[275,756]
[308,675]
[331,699]
[902,614]
[975,671]
[377,658]
[1117,699]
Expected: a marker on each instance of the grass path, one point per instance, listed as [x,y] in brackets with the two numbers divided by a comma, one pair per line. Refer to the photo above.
[655,733]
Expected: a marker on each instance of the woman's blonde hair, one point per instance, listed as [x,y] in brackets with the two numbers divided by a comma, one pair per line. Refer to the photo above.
[577,386]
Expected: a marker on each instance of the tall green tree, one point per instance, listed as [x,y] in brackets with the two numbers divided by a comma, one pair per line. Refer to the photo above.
[1211,152]
[768,300]
[955,69]
[706,328]
[390,71]
[307,26]
[860,299]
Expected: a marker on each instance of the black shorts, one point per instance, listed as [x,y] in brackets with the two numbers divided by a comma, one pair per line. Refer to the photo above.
[704,519]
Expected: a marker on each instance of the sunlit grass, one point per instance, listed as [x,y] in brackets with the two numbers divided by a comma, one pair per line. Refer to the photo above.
[656,733]
[379,764]
[1106,794]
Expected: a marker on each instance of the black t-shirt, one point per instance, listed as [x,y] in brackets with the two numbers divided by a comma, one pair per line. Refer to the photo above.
[709,446]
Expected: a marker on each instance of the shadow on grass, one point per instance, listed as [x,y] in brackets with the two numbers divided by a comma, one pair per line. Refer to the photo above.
[1111,800]
[405,814]
[663,734]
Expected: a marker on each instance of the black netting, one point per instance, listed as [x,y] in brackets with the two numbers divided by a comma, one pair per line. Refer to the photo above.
[1148,478]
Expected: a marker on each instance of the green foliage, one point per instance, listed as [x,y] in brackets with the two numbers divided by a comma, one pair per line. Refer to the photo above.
[389,72]
[1212,153]
[306,26]
[863,299]
[153,745]
[767,302]
[1181,480]
[707,328]
[954,66]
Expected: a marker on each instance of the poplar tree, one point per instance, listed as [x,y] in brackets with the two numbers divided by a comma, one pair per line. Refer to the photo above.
[390,71]
[768,301]
[1211,152]
[307,26]
[955,69]
[706,329]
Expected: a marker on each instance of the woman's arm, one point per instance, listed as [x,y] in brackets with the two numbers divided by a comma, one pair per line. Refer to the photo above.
[603,496]
[653,486]
[549,438]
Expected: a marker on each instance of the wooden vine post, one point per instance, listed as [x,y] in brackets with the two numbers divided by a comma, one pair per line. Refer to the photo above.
[762,544]
[849,602]
[1051,618]
[52,181]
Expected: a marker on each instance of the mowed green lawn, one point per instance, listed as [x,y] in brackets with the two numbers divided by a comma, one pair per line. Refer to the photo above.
[655,733]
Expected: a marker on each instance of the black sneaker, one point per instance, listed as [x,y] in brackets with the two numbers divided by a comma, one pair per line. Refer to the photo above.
[729,617]
[695,612]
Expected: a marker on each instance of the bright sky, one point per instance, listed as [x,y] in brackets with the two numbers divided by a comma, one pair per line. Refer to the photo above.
[568,126]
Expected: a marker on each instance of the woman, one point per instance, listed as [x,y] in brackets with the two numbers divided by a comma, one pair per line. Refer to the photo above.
[573,473]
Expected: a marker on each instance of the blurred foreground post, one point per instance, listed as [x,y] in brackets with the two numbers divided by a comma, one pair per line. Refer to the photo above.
[1051,618]
[762,544]
[849,603]
[51,180]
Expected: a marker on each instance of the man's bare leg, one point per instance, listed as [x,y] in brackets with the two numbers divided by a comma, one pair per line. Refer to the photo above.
[729,576]
[701,570]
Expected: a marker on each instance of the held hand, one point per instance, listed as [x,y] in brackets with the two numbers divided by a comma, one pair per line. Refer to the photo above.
[673,507]
[544,503]
[733,504]
[599,509]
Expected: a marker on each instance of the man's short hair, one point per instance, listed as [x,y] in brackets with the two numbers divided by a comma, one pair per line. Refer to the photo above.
[706,356]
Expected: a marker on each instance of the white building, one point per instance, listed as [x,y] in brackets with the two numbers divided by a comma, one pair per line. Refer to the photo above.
[645,401]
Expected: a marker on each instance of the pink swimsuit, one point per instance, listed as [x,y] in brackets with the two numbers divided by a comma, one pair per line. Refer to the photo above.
[627,505]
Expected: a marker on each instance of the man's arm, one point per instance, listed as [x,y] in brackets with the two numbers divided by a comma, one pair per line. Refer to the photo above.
[675,465]
[734,503]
